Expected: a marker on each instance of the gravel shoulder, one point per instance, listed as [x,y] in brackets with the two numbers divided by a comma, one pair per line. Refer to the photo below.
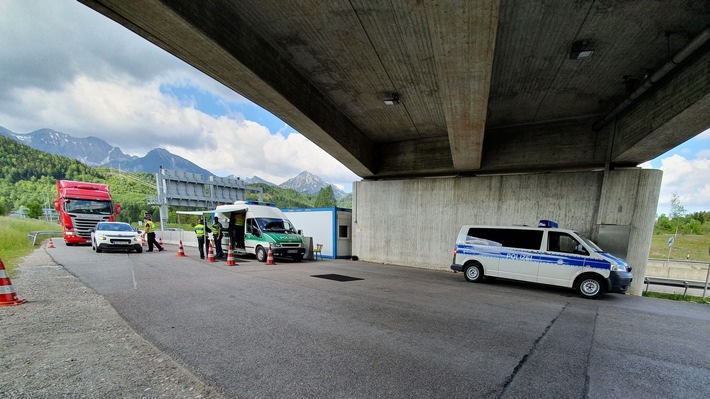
[68,342]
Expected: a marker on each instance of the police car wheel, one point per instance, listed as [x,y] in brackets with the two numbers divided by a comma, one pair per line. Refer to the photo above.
[261,254]
[590,287]
[473,273]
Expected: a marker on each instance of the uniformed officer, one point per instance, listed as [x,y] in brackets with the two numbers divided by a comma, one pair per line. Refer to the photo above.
[217,233]
[200,231]
[150,232]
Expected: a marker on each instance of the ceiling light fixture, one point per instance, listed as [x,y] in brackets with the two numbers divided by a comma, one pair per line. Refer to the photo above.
[393,99]
[581,50]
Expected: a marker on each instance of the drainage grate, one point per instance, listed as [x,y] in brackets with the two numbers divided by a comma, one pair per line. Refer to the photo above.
[336,277]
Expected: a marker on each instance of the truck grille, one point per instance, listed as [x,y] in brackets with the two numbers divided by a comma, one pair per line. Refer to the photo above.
[83,224]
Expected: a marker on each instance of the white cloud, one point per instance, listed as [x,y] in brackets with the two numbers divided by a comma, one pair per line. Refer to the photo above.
[690,179]
[65,67]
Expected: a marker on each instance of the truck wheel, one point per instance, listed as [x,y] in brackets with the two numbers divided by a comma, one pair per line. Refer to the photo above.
[473,273]
[590,287]
[261,254]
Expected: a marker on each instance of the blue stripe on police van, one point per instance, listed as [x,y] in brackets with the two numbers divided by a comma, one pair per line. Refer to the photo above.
[529,256]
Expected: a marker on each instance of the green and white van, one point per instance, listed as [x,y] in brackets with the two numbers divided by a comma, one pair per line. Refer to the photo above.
[253,227]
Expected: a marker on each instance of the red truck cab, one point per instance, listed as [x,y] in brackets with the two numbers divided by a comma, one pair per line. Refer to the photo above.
[81,207]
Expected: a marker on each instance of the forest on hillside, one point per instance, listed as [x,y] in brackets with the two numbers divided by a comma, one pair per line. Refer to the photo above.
[28,179]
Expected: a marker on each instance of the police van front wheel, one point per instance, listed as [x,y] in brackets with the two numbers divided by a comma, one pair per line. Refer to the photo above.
[261,254]
[473,273]
[590,287]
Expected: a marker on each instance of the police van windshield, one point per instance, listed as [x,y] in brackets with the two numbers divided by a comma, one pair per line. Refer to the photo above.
[590,243]
[88,206]
[271,225]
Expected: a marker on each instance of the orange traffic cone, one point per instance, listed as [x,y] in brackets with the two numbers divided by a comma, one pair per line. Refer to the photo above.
[160,241]
[7,293]
[210,254]
[270,257]
[143,241]
[181,250]
[230,257]
[51,244]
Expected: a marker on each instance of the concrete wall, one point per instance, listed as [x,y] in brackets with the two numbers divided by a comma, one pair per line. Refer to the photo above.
[415,222]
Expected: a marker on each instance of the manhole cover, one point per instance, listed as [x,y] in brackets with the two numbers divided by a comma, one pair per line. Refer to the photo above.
[336,277]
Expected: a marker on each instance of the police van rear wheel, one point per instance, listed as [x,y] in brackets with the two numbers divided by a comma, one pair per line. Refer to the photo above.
[590,287]
[473,273]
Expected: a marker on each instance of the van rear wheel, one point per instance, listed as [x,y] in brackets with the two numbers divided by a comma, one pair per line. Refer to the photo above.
[590,287]
[473,273]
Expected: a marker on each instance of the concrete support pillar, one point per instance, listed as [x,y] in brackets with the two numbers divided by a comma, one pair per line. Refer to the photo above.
[648,192]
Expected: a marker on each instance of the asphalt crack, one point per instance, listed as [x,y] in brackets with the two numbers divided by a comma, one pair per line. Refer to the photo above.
[532,350]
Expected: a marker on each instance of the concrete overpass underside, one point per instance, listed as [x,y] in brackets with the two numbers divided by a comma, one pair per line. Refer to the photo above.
[461,89]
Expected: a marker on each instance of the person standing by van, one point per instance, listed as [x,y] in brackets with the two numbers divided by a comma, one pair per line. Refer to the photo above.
[217,230]
[239,222]
[200,231]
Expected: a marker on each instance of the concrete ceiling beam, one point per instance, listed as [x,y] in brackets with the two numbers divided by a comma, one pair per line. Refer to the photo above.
[668,116]
[464,86]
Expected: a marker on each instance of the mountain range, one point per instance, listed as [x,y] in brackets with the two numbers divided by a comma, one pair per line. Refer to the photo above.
[94,151]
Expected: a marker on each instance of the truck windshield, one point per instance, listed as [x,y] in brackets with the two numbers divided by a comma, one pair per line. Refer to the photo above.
[275,225]
[88,206]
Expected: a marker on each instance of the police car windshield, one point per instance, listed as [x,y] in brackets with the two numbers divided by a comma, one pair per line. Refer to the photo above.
[590,243]
[275,225]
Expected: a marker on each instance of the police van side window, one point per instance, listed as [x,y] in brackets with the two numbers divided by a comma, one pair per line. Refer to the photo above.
[563,242]
[251,227]
[512,238]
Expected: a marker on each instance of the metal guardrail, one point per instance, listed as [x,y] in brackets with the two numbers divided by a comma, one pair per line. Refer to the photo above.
[32,235]
[674,283]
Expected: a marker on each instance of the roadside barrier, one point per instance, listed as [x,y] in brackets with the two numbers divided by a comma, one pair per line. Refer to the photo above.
[210,254]
[8,297]
[181,250]
[51,244]
[270,257]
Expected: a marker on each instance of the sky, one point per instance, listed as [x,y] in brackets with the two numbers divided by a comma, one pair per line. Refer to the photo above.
[68,68]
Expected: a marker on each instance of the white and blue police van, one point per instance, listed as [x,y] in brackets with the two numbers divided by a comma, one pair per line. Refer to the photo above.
[544,254]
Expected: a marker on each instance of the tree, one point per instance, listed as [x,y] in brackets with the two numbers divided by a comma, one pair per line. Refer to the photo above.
[325,198]
[34,210]
[677,211]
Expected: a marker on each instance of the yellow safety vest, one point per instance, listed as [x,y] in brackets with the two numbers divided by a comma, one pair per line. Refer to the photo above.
[200,230]
[239,220]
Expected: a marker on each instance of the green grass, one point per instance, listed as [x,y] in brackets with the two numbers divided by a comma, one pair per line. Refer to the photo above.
[14,244]
[695,246]
[677,297]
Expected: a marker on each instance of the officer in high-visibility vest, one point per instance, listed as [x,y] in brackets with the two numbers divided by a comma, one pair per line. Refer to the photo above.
[239,219]
[200,231]
[217,230]
[150,232]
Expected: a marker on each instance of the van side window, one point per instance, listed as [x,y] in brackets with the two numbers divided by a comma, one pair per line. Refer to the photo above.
[524,239]
[563,242]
